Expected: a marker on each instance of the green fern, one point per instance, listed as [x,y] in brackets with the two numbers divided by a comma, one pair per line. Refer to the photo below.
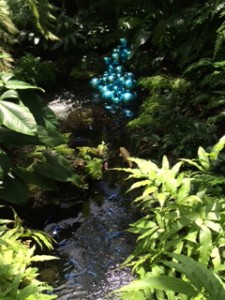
[41,10]
[8,33]
[19,279]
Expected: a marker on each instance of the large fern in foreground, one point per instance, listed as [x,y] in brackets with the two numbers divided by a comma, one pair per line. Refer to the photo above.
[19,279]
[8,32]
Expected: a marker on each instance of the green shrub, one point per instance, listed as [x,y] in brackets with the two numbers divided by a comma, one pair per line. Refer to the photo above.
[24,123]
[175,118]
[31,69]
[182,213]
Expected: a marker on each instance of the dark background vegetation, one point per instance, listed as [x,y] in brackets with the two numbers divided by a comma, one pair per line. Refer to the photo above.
[179,62]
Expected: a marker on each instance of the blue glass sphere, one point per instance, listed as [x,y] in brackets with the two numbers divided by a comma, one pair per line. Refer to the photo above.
[127,96]
[129,83]
[119,69]
[116,85]
[111,69]
[123,42]
[99,87]
[130,74]
[108,95]
[95,82]
[104,88]
[115,56]
[111,78]
[128,113]
[116,99]
[108,60]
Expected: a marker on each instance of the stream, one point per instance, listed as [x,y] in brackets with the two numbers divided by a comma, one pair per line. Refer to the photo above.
[93,242]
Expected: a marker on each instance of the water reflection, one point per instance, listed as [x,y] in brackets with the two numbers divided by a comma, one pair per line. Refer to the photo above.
[92,244]
[90,256]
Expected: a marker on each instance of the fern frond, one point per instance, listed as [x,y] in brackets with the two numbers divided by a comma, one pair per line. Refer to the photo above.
[219,39]
[42,13]
[7,27]
[6,23]
[5,60]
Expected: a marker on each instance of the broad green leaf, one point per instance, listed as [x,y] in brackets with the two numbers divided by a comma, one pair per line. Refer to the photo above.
[145,166]
[20,85]
[199,276]
[50,137]
[14,191]
[141,37]
[213,225]
[162,283]
[149,190]
[148,233]
[6,76]
[205,249]
[217,148]
[203,158]
[184,190]
[11,94]
[165,163]
[216,259]
[138,184]
[17,118]
[179,247]
[192,236]
[53,171]
[178,225]
[192,200]
[161,197]
[56,167]
[36,179]
[9,137]
[175,169]
[5,221]
[41,112]
[193,163]
[134,295]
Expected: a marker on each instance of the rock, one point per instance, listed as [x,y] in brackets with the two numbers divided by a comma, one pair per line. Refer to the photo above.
[125,154]
[89,118]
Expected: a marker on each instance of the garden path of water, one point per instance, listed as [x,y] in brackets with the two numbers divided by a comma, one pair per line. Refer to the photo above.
[92,245]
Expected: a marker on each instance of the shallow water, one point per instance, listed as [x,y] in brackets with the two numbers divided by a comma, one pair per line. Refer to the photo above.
[97,245]
[93,244]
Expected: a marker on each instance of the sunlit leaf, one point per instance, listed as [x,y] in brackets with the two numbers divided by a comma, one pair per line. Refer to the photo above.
[17,118]
[199,276]
[162,283]
[14,191]
[20,85]
[11,94]
[203,158]
[205,239]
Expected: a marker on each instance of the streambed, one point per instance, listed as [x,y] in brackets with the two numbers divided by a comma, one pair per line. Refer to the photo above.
[93,243]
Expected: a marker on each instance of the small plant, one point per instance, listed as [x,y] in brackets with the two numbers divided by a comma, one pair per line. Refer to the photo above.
[91,159]
[31,69]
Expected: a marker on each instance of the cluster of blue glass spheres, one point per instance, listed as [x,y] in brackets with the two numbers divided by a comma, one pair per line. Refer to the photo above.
[116,85]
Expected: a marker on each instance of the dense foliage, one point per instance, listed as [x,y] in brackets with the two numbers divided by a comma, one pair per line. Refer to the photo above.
[183,213]
[178,54]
